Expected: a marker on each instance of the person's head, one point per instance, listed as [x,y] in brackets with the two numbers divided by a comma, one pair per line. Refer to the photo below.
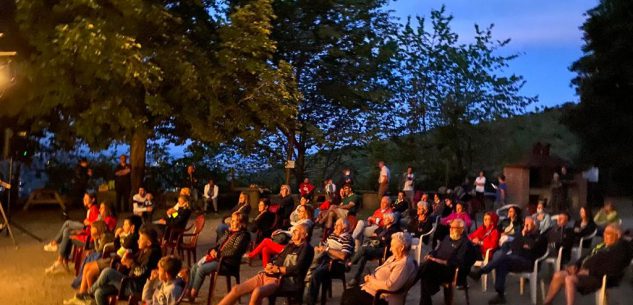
[191,169]
[347,189]
[385,202]
[185,191]
[448,202]
[459,207]
[168,268]
[183,201]
[304,200]
[563,219]
[306,180]
[436,197]
[132,223]
[89,199]
[239,221]
[388,219]
[608,206]
[83,162]
[147,237]
[409,170]
[341,226]
[263,204]
[563,170]
[97,229]
[284,190]
[422,209]
[502,178]
[104,210]
[425,197]
[540,206]
[488,220]
[347,172]
[123,159]
[612,234]
[400,244]
[513,213]
[481,173]
[555,177]
[400,196]
[456,229]
[381,164]
[529,225]
[299,234]
[585,213]
[141,191]
[211,182]
[243,198]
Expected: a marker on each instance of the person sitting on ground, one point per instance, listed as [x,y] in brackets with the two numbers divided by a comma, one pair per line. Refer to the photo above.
[177,216]
[161,287]
[422,223]
[279,238]
[336,250]
[375,246]
[561,235]
[610,258]
[510,227]
[439,266]
[142,204]
[263,222]
[542,218]
[61,243]
[230,248]
[392,275]
[606,215]
[524,250]
[292,263]
[486,237]
[242,206]
[367,228]
[100,236]
[125,241]
[348,206]
[140,266]
[584,226]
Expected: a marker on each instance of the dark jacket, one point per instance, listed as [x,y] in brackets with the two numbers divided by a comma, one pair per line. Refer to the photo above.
[518,225]
[130,242]
[297,260]
[263,223]
[242,208]
[530,246]
[417,228]
[561,237]
[145,261]
[610,261]
[232,246]
[180,221]
[384,234]
[580,232]
[287,205]
[453,251]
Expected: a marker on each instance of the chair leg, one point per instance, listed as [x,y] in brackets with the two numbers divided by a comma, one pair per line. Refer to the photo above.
[521,285]
[212,278]
[448,295]
[466,294]
[484,282]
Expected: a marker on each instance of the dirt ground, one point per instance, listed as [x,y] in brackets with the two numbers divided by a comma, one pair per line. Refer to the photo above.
[23,282]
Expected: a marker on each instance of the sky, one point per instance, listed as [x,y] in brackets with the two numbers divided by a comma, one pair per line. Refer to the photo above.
[545,34]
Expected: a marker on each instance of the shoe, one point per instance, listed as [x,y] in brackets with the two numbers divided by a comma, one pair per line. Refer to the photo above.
[475,275]
[461,287]
[56,267]
[499,299]
[50,247]
[352,283]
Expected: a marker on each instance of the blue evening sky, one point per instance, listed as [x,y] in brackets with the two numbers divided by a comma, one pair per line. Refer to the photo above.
[545,32]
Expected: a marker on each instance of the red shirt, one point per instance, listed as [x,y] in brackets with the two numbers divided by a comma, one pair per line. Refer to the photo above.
[305,188]
[378,214]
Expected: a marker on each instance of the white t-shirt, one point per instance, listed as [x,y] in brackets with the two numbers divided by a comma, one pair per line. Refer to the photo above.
[384,172]
[480,183]
[408,182]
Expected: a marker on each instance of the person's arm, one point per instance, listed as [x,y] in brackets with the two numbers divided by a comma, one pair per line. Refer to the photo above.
[205,192]
[216,190]
[150,286]
[397,278]
[236,245]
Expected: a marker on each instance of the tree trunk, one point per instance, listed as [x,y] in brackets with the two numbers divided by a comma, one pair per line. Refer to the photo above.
[138,149]
[300,166]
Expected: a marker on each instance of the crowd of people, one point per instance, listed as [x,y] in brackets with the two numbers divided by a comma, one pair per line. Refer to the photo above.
[303,246]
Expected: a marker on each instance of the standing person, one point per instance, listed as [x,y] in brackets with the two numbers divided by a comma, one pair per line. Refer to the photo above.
[330,189]
[480,188]
[210,194]
[556,189]
[83,174]
[122,184]
[593,192]
[306,189]
[383,179]
[502,191]
[567,179]
[409,183]
[192,182]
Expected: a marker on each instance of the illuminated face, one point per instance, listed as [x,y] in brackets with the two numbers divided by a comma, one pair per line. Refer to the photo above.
[122,160]
[301,211]
[234,225]
[456,230]
[261,206]
[583,213]
[529,224]
[243,198]
[459,208]
[87,200]
[141,191]
[512,213]
[144,242]
[303,201]
[610,236]
[400,196]
[396,247]
[162,275]
[562,220]
[339,227]
[487,220]
[93,232]
[425,197]
[298,235]
[384,202]
[284,191]
[127,226]
[102,210]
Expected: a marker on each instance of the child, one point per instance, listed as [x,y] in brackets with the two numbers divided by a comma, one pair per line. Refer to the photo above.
[162,287]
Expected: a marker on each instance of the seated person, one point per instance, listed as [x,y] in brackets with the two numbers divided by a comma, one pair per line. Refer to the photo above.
[610,258]
[294,216]
[439,266]
[401,204]
[347,206]
[437,207]
[161,287]
[142,204]
[326,207]
[292,263]
[337,249]
[374,247]
[459,213]
[486,236]
[125,241]
[446,209]
[263,222]
[606,215]
[524,250]
[99,236]
[422,223]
[542,218]
[230,247]
[286,206]
[138,267]
[393,274]
[584,227]
[561,235]
[510,226]
[279,238]
[242,206]
[105,214]
[61,243]
[367,228]
[177,216]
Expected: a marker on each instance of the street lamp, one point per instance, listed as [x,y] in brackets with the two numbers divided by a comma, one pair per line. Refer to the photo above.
[7,73]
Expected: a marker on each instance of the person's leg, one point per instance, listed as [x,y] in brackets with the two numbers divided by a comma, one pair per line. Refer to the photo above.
[558,280]
[360,226]
[570,288]
[319,276]
[58,237]
[90,274]
[106,285]
[215,205]
[259,293]
[269,252]
[242,289]
[259,248]
[199,273]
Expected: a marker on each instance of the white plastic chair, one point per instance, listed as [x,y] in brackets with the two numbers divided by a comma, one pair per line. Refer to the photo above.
[532,277]
[576,252]
[556,261]
[601,295]
[484,277]
[417,245]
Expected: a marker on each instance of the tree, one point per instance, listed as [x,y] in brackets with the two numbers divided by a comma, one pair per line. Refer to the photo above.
[452,86]
[129,71]
[604,82]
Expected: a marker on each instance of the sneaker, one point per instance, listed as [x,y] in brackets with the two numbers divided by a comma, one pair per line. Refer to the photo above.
[57,267]
[50,247]
[499,299]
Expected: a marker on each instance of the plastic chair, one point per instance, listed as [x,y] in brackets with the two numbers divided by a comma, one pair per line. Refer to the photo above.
[189,240]
[228,272]
[532,277]
[326,290]
[576,252]
[449,290]
[417,245]
[484,277]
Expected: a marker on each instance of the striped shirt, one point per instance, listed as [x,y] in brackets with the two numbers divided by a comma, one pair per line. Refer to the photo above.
[343,242]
